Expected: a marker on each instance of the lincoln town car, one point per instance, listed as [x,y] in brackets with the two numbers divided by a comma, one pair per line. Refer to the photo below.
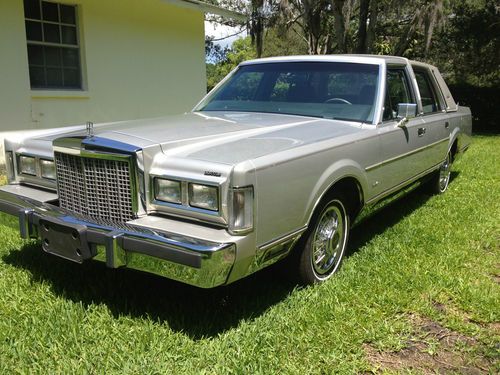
[277,161]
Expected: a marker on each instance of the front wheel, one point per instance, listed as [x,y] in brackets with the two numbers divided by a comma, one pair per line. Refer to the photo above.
[325,242]
[441,179]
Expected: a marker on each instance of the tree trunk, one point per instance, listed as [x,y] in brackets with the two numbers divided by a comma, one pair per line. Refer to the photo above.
[364,6]
[339,25]
[313,17]
[372,27]
[257,26]
[431,23]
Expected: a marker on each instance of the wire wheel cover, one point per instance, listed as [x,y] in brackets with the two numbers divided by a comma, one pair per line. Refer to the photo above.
[328,241]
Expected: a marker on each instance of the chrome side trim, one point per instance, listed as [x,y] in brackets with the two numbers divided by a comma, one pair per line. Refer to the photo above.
[420,149]
[280,240]
[275,250]
[369,211]
[401,185]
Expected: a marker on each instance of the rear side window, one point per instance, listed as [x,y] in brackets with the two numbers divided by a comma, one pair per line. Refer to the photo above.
[428,95]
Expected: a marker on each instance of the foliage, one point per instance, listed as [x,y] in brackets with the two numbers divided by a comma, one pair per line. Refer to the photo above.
[240,51]
[286,43]
[214,53]
[434,257]
[483,102]
[461,37]
[472,35]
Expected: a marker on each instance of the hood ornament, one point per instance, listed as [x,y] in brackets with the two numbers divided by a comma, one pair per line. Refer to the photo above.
[90,129]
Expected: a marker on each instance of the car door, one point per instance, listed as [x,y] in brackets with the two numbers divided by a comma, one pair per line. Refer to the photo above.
[433,112]
[400,147]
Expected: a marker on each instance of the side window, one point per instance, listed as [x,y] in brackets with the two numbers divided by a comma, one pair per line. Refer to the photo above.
[398,91]
[427,93]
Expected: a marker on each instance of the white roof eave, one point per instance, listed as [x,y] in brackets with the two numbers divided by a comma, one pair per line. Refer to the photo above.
[207,8]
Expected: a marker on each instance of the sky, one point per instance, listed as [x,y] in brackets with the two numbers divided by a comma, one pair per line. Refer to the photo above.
[219,31]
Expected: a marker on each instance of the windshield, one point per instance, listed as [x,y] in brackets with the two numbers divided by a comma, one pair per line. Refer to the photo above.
[334,90]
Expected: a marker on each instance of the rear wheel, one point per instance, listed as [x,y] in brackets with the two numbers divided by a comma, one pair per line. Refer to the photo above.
[325,242]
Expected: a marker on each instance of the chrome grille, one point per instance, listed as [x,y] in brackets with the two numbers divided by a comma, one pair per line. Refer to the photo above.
[98,188]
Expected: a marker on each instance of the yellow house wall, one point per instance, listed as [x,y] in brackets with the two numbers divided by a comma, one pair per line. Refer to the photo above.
[139,59]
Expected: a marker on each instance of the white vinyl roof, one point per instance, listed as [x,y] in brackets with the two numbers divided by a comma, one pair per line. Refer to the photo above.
[367,59]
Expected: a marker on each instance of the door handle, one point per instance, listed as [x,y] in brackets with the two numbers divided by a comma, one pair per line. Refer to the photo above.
[446,125]
[421,131]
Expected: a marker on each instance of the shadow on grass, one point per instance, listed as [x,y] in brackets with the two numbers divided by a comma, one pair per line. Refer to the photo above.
[196,312]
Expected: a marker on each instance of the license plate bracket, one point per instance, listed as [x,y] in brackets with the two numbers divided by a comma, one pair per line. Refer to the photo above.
[65,240]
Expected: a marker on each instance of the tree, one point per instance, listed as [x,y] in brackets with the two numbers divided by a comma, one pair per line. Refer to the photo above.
[449,33]
[240,51]
[468,47]
[214,52]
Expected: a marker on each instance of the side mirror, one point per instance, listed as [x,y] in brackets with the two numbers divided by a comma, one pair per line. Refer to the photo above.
[406,111]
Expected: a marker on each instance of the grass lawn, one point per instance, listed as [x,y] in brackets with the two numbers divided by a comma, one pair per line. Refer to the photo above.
[420,290]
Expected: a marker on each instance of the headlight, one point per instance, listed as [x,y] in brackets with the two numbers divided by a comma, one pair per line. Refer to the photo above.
[168,190]
[241,215]
[203,196]
[27,165]
[48,169]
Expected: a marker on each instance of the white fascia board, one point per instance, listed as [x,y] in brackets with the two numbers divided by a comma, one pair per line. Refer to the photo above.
[207,8]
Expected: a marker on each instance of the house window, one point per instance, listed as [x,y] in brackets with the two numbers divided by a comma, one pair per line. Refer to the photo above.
[53,48]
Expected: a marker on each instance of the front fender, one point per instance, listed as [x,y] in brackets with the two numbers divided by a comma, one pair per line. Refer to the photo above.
[333,174]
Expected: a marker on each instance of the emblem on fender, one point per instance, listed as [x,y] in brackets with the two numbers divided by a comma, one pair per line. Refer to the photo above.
[90,129]
[212,173]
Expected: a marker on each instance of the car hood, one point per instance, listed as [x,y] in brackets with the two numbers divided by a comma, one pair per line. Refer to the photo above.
[224,137]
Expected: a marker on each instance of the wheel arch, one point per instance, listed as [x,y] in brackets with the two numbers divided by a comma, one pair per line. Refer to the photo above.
[453,149]
[345,176]
[453,145]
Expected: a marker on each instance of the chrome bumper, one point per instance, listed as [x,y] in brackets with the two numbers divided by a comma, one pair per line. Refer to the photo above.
[190,260]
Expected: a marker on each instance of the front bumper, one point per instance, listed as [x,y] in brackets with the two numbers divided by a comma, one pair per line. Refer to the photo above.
[200,262]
